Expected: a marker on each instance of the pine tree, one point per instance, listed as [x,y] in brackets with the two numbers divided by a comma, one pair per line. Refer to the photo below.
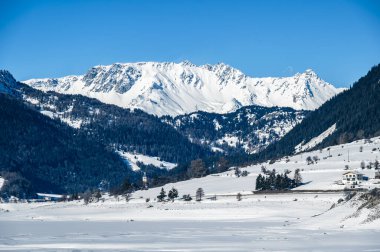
[260,182]
[309,160]
[162,195]
[173,193]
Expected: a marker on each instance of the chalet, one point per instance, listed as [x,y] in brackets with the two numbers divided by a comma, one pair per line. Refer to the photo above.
[352,178]
[49,197]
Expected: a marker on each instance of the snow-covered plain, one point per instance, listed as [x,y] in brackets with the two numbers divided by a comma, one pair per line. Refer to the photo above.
[257,223]
[296,221]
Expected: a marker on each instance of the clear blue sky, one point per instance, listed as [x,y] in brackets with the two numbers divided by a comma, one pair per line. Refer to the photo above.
[340,40]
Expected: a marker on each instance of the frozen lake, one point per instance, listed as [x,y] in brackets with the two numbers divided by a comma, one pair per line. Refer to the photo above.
[179,236]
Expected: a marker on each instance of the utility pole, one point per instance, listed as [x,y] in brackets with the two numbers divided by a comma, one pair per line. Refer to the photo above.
[348,154]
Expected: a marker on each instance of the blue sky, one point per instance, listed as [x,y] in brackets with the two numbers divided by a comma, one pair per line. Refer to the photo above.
[340,40]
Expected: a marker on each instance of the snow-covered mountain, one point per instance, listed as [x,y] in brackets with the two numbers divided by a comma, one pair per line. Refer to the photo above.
[180,88]
[248,129]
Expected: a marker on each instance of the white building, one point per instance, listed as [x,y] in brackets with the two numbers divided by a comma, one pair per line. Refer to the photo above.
[352,178]
[49,197]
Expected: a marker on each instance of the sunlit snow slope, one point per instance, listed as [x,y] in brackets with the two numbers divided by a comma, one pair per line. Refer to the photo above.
[325,174]
[179,88]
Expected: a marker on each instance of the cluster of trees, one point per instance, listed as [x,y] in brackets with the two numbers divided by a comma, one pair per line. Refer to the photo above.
[370,165]
[173,194]
[90,196]
[238,173]
[271,180]
[312,160]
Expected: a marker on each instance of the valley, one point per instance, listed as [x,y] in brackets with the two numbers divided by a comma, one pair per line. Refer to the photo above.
[220,222]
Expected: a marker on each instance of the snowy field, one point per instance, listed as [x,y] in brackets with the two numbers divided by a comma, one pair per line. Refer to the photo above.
[294,221]
[257,223]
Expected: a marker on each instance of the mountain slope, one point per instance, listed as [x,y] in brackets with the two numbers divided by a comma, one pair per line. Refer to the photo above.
[118,128]
[48,156]
[8,84]
[174,89]
[351,115]
[249,129]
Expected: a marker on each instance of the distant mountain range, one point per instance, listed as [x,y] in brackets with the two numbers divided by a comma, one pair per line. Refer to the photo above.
[181,88]
[55,141]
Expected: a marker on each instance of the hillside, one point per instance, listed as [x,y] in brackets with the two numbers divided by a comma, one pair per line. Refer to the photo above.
[39,154]
[119,129]
[247,130]
[325,174]
[353,114]
[181,88]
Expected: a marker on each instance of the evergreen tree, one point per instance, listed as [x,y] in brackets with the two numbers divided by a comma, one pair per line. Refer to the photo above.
[173,193]
[186,197]
[309,160]
[162,195]
[259,182]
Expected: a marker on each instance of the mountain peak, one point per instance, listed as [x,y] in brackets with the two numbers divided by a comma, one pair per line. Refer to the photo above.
[186,63]
[310,73]
[180,88]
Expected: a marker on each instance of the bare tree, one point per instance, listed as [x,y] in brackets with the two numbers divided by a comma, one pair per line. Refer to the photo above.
[297,177]
[238,196]
[197,169]
[237,172]
[222,164]
[199,194]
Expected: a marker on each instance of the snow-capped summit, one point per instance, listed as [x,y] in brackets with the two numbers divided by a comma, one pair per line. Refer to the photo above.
[167,88]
